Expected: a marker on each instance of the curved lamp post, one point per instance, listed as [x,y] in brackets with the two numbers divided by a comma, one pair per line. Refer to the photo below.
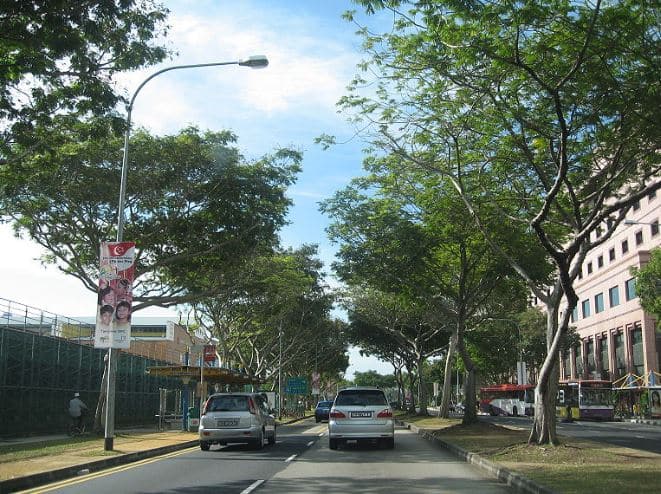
[255,62]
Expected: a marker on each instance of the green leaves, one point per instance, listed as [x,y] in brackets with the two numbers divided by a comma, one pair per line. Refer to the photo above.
[194,206]
[59,58]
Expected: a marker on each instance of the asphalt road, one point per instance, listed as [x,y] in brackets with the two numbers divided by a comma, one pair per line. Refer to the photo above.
[628,434]
[300,461]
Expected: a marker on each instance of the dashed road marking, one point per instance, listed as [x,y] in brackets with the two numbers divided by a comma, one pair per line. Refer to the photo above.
[252,486]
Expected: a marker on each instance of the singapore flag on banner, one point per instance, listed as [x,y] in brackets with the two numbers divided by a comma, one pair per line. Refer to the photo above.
[113,311]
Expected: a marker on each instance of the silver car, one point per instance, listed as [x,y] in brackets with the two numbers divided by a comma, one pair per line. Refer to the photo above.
[361,414]
[236,418]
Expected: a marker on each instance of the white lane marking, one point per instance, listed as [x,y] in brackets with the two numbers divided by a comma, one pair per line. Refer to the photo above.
[252,486]
[310,443]
[291,458]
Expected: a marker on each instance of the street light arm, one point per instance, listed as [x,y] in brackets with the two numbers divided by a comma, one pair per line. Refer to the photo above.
[254,62]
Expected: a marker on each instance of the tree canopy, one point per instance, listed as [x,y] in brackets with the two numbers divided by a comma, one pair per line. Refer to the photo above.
[195,207]
[547,108]
[58,60]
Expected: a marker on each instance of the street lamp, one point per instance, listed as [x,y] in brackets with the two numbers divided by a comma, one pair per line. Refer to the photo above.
[634,222]
[255,62]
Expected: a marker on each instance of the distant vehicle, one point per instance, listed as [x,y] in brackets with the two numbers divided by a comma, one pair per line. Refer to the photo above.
[361,414]
[508,399]
[236,418]
[322,410]
[585,399]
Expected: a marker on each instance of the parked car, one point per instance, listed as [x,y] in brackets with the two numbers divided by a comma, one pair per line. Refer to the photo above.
[361,414]
[236,418]
[322,410]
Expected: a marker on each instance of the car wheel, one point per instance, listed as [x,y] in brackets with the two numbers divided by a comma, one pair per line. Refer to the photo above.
[259,442]
[390,443]
[515,412]
[271,439]
[332,443]
[205,445]
[317,420]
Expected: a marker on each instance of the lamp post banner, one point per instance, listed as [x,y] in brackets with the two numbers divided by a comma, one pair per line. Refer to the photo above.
[115,297]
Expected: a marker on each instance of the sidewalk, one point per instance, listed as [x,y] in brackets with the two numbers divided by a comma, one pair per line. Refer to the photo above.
[128,446]
[79,459]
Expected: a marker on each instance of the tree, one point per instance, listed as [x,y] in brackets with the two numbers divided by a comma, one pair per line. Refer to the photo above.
[405,233]
[648,284]
[59,59]
[373,378]
[273,315]
[196,208]
[550,103]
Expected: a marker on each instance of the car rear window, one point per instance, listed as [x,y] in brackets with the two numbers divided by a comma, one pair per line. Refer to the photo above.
[228,403]
[362,397]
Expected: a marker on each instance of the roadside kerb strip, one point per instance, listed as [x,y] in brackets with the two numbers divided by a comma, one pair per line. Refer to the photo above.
[520,483]
[37,479]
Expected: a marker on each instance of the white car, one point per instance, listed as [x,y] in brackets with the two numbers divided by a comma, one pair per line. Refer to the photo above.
[361,414]
[236,418]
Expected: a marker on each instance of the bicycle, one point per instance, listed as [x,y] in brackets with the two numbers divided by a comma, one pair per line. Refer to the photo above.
[77,426]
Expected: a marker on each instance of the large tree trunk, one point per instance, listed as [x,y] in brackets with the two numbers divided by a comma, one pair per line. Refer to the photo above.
[543,429]
[422,388]
[447,381]
[470,414]
[411,408]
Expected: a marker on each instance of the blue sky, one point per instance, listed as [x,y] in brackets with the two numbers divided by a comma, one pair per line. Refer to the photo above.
[313,54]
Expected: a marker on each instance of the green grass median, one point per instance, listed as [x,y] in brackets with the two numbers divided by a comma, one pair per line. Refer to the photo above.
[574,466]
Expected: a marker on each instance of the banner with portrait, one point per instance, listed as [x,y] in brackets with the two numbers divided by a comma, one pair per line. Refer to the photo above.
[115,295]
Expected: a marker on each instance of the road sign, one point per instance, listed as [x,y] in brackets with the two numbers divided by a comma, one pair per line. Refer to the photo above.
[297,386]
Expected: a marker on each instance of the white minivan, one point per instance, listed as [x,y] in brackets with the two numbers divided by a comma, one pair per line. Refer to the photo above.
[361,414]
[236,418]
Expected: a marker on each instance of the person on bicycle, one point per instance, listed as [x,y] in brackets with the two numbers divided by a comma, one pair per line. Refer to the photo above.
[77,409]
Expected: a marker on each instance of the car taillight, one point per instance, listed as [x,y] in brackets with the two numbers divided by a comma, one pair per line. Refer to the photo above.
[251,406]
[336,414]
[385,414]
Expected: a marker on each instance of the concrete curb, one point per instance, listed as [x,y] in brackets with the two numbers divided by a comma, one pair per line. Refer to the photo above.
[520,483]
[30,481]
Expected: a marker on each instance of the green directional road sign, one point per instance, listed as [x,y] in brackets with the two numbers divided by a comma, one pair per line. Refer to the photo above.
[297,386]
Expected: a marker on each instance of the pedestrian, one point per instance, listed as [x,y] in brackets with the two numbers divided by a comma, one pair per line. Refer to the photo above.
[77,409]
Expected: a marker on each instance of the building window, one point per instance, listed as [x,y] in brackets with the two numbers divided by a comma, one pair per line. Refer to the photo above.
[574,314]
[614,296]
[585,308]
[580,362]
[589,268]
[605,362]
[637,351]
[639,237]
[600,261]
[611,254]
[625,246]
[654,228]
[592,365]
[630,288]
[580,275]
[619,354]
[651,196]
[566,364]
[598,303]
[636,205]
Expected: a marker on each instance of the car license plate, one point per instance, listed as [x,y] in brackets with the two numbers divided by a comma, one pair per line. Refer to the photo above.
[227,422]
[361,415]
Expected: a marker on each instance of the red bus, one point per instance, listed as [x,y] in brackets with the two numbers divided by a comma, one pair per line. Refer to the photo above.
[508,399]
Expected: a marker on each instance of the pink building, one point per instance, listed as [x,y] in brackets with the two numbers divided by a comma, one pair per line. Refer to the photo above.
[618,337]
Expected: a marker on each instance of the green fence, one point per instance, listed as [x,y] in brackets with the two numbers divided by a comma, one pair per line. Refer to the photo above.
[39,374]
